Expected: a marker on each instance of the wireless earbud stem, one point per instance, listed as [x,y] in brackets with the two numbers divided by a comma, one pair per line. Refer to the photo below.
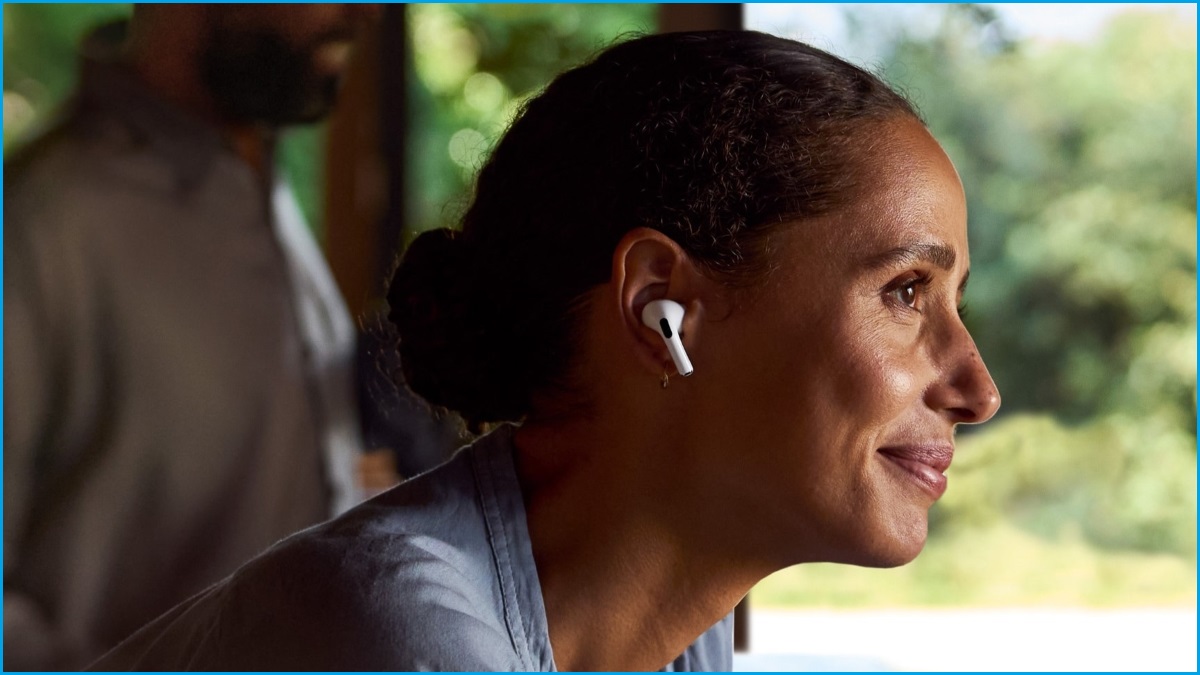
[665,317]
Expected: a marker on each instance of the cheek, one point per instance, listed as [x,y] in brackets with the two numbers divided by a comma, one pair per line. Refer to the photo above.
[770,379]
[897,380]
[880,379]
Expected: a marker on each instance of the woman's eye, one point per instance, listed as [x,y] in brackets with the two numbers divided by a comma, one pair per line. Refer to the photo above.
[908,293]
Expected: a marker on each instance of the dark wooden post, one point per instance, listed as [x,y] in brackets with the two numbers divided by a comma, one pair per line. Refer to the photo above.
[364,165]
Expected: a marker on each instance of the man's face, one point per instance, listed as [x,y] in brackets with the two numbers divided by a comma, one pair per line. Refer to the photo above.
[279,64]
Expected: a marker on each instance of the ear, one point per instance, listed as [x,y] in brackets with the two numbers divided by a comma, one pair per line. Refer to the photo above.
[648,265]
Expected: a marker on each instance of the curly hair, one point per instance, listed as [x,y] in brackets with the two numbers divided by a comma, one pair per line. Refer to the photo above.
[713,138]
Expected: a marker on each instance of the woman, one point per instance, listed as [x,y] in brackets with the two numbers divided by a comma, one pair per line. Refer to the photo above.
[814,234]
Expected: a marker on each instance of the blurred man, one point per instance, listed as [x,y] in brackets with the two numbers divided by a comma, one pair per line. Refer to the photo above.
[178,388]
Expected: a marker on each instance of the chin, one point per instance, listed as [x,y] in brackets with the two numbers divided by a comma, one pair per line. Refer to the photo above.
[896,558]
[892,546]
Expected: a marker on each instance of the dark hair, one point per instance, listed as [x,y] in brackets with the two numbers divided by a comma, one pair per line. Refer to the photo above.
[712,138]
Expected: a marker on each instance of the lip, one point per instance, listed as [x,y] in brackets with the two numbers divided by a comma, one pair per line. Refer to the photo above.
[923,462]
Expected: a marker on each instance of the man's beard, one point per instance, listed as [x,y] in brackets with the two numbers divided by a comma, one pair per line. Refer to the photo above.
[258,77]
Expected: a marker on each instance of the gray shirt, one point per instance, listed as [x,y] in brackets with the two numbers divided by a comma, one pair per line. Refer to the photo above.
[178,386]
[436,574]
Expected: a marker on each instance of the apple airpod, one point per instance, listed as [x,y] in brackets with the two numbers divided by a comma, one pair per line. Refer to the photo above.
[665,317]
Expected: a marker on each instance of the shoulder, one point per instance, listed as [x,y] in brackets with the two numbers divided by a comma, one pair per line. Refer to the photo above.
[426,617]
[403,582]
[69,153]
[82,175]
[297,622]
[59,203]
[57,197]
[406,581]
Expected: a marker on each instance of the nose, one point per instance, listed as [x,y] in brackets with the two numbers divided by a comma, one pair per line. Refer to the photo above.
[965,393]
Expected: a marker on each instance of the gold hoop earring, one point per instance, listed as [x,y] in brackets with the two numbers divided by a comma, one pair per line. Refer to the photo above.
[665,380]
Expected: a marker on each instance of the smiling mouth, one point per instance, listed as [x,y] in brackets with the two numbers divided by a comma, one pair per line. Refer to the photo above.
[923,464]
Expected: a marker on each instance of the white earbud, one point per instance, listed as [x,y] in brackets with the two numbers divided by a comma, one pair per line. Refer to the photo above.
[665,317]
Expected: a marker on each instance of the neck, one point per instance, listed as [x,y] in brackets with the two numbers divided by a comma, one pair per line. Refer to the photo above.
[628,575]
[253,144]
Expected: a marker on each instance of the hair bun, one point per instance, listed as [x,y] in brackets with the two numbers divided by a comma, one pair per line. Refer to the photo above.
[430,303]
[429,280]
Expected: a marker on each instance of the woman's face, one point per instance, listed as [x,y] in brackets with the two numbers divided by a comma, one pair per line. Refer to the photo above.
[840,382]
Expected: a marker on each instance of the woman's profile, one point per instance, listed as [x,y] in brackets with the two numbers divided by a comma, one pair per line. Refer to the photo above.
[807,238]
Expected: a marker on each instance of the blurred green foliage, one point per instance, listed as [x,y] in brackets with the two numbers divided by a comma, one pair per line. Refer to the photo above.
[475,64]
[1080,167]
[1118,483]
[40,58]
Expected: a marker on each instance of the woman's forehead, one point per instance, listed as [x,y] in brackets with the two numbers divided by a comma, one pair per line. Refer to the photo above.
[910,206]
[911,194]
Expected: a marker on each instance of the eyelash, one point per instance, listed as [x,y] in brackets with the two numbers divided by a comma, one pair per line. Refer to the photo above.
[919,283]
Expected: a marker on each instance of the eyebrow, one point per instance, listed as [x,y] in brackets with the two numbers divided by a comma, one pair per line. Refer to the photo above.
[938,254]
